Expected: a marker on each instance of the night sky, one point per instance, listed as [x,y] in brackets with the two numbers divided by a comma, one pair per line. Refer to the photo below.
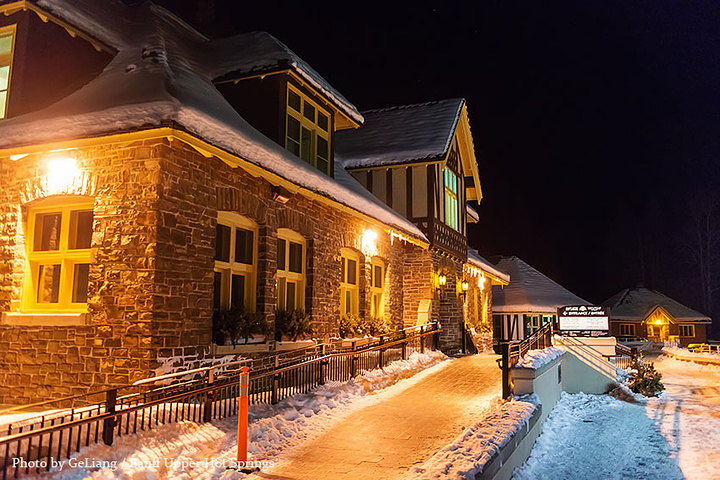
[595,122]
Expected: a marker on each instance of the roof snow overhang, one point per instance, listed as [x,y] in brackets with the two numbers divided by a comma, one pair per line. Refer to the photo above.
[46,16]
[174,133]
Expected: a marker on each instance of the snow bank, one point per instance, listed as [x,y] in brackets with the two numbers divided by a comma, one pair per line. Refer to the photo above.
[597,436]
[188,450]
[537,358]
[466,456]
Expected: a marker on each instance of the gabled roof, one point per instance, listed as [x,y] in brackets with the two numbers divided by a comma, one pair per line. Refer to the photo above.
[499,277]
[415,133]
[258,53]
[530,291]
[162,76]
[639,303]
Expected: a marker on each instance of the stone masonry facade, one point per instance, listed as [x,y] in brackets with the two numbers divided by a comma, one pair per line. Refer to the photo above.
[150,290]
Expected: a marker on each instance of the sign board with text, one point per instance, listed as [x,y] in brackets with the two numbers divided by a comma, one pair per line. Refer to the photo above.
[583,321]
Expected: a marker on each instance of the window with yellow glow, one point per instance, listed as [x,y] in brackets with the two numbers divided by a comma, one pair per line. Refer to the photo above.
[349,282]
[58,255]
[687,330]
[307,130]
[290,270]
[377,287]
[235,262]
[7,45]
[452,216]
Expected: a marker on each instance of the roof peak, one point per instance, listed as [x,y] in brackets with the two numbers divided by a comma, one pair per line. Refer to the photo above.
[413,105]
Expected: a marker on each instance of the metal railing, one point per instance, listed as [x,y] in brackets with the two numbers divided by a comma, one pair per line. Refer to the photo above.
[512,352]
[126,410]
[704,348]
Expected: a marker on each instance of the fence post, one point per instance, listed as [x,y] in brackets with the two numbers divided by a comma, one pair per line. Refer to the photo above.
[323,366]
[422,339]
[243,416]
[275,382]
[403,347]
[207,412]
[109,423]
[506,375]
[352,365]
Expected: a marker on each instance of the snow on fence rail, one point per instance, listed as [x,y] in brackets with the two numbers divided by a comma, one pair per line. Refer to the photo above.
[59,434]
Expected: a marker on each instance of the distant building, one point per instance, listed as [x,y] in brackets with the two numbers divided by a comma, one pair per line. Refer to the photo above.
[641,313]
[528,303]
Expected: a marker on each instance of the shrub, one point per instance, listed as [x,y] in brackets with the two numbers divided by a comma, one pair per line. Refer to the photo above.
[350,325]
[237,323]
[292,324]
[375,326]
[644,379]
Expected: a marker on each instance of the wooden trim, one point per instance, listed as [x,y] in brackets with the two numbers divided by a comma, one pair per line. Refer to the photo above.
[409,191]
[389,188]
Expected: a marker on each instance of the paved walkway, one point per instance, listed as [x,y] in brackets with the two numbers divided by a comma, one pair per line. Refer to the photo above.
[382,441]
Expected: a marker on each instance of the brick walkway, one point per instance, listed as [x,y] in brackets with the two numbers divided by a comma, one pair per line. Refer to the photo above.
[382,441]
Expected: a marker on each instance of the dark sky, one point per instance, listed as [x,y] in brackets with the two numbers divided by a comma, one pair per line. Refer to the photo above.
[594,121]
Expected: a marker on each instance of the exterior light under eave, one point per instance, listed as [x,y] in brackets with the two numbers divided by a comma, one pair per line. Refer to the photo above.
[61,172]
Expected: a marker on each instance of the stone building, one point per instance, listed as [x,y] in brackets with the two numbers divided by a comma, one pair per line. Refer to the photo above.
[151,176]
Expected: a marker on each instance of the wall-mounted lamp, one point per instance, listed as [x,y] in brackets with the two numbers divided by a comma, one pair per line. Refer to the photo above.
[61,173]
[464,287]
[441,282]
[280,194]
[369,247]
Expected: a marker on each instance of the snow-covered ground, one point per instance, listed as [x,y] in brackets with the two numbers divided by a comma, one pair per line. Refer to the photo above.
[186,450]
[674,436]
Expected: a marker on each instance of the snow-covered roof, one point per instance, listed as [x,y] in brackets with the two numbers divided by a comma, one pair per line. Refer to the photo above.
[530,291]
[163,75]
[474,258]
[639,303]
[399,135]
[256,53]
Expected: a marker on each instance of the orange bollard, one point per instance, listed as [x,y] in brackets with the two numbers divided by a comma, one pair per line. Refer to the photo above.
[243,417]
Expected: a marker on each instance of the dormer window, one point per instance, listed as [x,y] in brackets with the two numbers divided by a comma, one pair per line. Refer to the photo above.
[452,217]
[307,130]
[7,44]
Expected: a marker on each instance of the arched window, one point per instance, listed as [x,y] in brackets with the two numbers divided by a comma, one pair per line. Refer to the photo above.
[290,270]
[235,262]
[377,287]
[349,280]
[59,237]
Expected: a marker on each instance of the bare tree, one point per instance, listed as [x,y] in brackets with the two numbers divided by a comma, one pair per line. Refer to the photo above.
[704,241]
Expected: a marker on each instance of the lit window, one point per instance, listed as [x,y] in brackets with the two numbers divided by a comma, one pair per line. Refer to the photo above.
[235,262]
[687,330]
[377,287]
[349,280]
[7,44]
[627,330]
[58,253]
[307,131]
[451,200]
[290,270]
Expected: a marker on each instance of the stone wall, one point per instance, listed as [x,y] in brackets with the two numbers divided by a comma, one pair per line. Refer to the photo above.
[151,277]
[114,347]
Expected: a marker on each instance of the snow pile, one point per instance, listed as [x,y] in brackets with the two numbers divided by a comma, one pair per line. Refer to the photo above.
[597,436]
[466,456]
[537,358]
[188,450]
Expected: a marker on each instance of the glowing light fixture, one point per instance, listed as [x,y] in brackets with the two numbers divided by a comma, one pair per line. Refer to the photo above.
[465,285]
[369,248]
[61,174]
[442,280]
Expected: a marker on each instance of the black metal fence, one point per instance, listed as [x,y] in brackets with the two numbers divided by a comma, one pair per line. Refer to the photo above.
[29,445]
[513,351]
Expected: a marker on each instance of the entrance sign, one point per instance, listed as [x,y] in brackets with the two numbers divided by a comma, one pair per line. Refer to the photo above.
[583,321]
